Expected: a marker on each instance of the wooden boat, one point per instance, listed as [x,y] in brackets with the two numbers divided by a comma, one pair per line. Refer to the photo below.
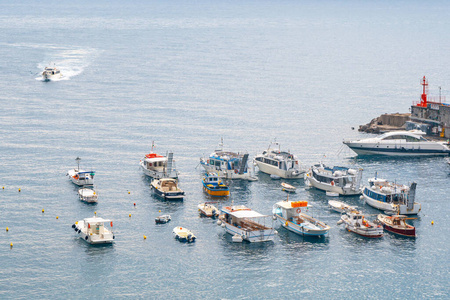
[208,210]
[288,188]
[167,189]
[355,222]
[183,234]
[163,219]
[88,195]
[397,224]
[339,206]
[214,186]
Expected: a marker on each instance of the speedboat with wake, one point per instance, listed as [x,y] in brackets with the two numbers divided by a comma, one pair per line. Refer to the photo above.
[51,73]
[399,143]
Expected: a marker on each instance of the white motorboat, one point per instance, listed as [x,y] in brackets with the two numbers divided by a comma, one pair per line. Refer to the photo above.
[339,206]
[391,197]
[273,161]
[88,195]
[93,230]
[398,143]
[249,224]
[159,166]
[81,177]
[290,216]
[51,73]
[183,234]
[341,180]
[208,210]
[163,219]
[355,222]
[226,164]
[167,189]
[288,188]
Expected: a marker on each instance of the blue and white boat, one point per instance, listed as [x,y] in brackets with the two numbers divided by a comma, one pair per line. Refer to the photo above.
[291,215]
[81,177]
[214,186]
[391,197]
[341,180]
[226,164]
[398,143]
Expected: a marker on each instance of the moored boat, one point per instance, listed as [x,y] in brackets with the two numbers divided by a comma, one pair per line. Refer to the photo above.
[93,230]
[249,224]
[356,222]
[88,195]
[226,164]
[214,186]
[290,216]
[81,177]
[391,197]
[288,188]
[284,164]
[163,219]
[167,189]
[208,210]
[397,224]
[341,180]
[183,234]
[159,166]
[339,206]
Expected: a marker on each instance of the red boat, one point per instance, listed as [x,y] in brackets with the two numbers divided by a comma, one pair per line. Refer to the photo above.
[397,224]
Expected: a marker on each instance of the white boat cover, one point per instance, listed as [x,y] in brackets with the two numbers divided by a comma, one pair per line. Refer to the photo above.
[246,214]
[96,220]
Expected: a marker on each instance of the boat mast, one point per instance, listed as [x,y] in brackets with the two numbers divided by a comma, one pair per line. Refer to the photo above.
[78,161]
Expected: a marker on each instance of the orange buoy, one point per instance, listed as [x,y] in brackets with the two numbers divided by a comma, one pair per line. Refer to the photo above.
[111,224]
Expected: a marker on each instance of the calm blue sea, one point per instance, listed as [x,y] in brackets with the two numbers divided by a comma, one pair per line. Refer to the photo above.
[184,74]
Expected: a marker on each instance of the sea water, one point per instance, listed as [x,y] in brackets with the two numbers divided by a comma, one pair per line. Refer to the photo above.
[183,75]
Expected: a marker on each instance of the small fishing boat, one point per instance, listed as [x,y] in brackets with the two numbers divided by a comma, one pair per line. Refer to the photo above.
[51,73]
[391,197]
[290,216]
[397,224]
[88,195]
[93,230]
[183,234]
[213,186]
[81,177]
[288,188]
[356,222]
[163,219]
[249,224]
[283,164]
[208,210]
[226,164]
[339,206]
[167,189]
[341,180]
[159,166]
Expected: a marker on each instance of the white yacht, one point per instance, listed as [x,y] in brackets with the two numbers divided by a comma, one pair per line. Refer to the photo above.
[51,73]
[391,197]
[226,164]
[159,166]
[249,225]
[81,177]
[398,143]
[93,230]
[273,161]
[341,180]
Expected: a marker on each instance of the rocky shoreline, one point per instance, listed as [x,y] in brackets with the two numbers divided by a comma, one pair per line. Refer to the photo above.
[386,122]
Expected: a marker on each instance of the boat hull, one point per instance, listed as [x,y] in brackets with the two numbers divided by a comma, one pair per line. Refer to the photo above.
[301,230]
[94,239]
[85,179]
[217,192]
[157,174]
[332,188]
[401,209]
[228,174]
[252,236]
[400,150]
[272,170]
[400,231]
[176,196]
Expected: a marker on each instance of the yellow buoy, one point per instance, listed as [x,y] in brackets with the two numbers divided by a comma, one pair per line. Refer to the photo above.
[432,222]
[19,190]
[7,229]
[42,210]
[76,223]
[159,210]
[129,215]
[128,192]
[95,213]
[3,187]
[11,245]
[57,217]
[145,237]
